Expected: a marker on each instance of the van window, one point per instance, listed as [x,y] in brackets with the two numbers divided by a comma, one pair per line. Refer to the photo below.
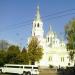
[28,67]
[21,66]
[35,67]
[15,66]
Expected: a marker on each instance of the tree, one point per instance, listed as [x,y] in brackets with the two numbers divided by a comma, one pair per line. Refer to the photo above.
[2,57]
[25,56]
[12,52]
[35,51]
[70,35]
[22,58]
[4,45]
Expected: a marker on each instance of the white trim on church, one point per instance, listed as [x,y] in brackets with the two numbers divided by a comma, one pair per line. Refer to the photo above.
[54,49]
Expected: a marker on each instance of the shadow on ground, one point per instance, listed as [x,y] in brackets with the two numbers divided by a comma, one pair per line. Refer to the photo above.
[67,71]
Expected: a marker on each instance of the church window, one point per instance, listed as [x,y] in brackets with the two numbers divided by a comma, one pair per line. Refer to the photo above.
[62,59]
[69,59]
[35,25]
[50,58]
[48,39]
[38,25]
[69,64]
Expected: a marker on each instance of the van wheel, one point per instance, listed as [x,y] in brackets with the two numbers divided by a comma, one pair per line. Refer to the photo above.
[24,73]
[28,73]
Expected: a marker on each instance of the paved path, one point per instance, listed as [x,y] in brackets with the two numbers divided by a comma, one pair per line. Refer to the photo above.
[42,72]
[48,72]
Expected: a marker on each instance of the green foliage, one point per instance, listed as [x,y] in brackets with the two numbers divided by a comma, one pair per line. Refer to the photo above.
[35,51]
[51,66]
[22,58]
[70,35]
[12,53]
[25,56]
[71,53]
[2,57]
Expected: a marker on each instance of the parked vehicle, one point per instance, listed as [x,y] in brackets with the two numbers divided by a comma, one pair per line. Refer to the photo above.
[20,69]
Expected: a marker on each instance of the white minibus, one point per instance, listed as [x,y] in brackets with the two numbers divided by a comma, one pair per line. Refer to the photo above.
[20,69]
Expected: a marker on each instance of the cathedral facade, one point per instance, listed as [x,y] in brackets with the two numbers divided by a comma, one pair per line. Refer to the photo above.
[54,49]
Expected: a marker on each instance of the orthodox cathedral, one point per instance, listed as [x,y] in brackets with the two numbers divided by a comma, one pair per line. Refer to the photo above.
[54,50]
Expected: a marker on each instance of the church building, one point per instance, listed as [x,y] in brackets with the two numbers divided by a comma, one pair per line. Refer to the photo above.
[54,49]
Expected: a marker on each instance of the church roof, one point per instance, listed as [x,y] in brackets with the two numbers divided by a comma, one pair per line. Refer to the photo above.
[37,17]
[50,28]
[50,32]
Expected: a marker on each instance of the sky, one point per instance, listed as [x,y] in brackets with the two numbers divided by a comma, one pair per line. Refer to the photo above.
[16,17]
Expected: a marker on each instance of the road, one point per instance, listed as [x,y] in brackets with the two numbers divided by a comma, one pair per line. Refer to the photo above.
[48,72]
[39,74]
[42,72]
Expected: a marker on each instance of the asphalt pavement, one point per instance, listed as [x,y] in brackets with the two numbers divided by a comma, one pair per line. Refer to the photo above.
[42,72]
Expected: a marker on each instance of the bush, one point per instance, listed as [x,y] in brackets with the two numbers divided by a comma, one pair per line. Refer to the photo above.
[50,66]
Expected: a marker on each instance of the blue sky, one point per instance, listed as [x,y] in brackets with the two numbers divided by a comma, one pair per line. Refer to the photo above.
[16,17]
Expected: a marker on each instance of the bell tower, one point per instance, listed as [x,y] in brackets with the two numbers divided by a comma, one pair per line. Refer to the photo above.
[37,29]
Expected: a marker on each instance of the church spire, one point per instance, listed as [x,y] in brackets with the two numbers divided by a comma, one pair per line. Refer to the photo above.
[37,25]
[38,17]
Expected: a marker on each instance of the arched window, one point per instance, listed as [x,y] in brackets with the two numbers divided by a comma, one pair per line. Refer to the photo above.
[50,58]
[35,25]
[62,59]
[38,25]
[48,39]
